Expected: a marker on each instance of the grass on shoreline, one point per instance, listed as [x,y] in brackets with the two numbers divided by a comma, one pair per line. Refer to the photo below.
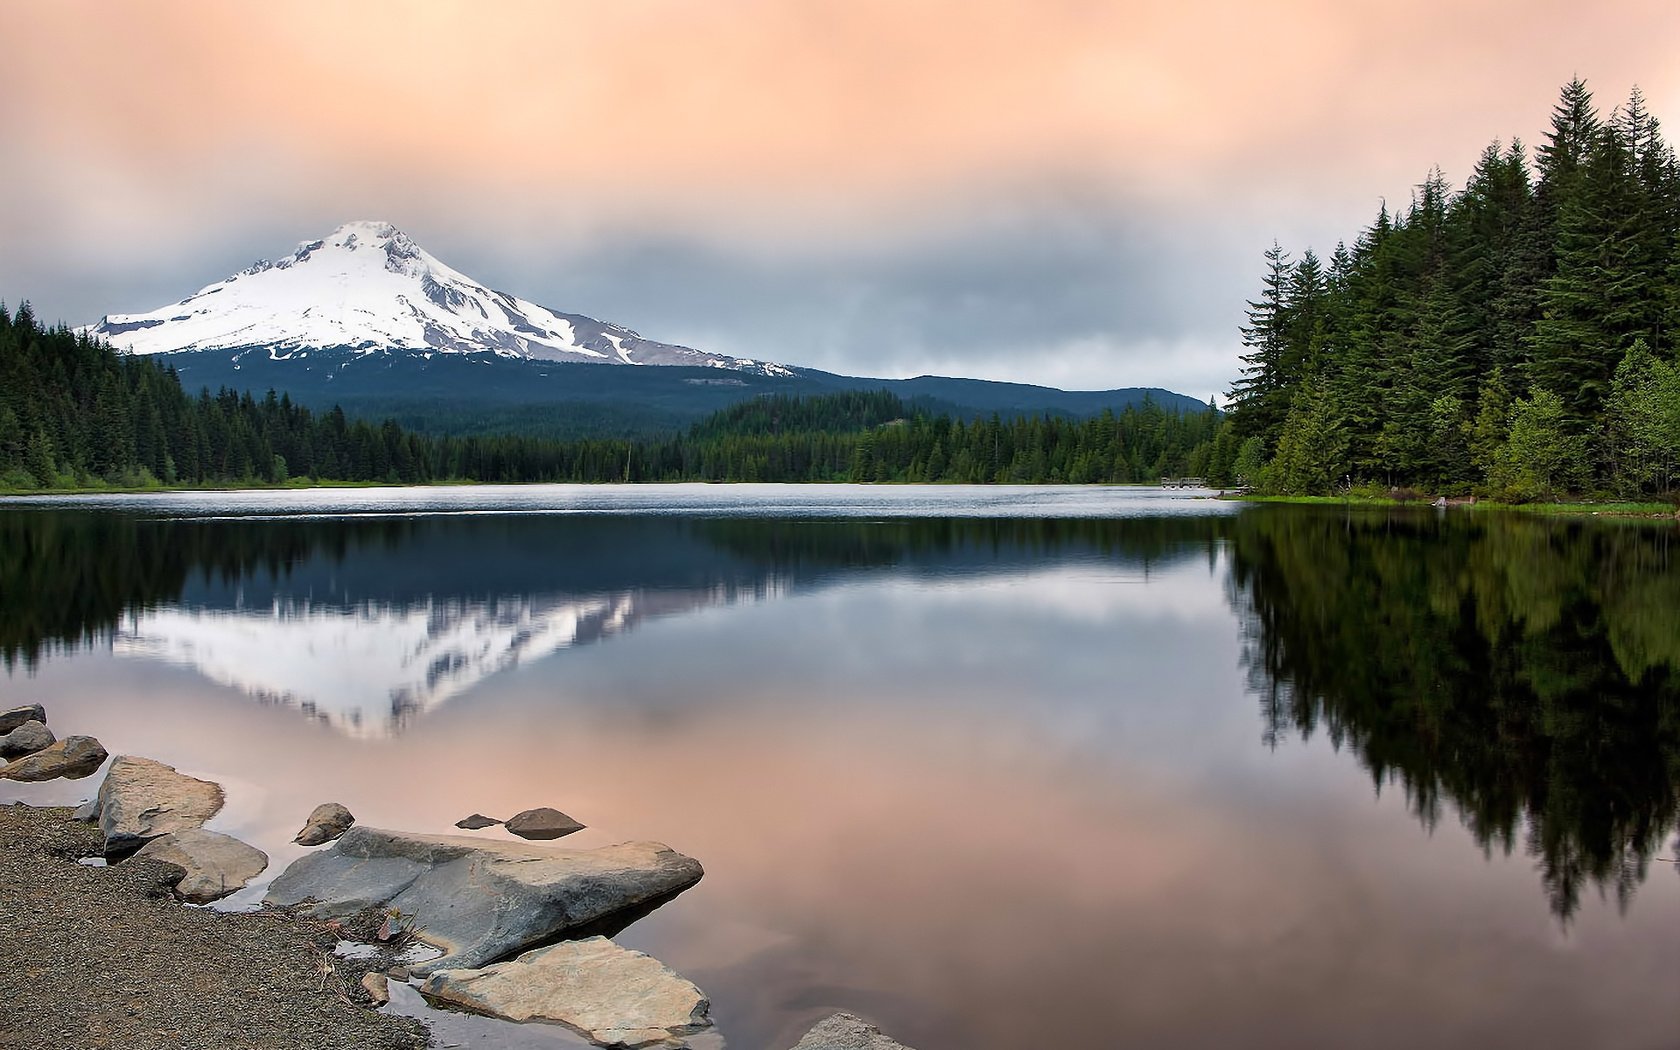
[1582,508]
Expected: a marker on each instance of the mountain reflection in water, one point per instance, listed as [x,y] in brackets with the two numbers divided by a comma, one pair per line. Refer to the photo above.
[1014,761]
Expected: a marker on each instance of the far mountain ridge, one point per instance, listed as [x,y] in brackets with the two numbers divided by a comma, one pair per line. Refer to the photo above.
[366,319]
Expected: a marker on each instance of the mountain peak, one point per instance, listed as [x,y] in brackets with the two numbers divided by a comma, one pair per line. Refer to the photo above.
[368,288]
[365,229]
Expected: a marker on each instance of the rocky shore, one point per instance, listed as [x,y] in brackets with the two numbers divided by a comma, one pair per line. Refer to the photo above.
[102,954]
[105,957]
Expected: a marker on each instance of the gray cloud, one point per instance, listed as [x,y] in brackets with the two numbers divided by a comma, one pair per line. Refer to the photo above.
[1062,292]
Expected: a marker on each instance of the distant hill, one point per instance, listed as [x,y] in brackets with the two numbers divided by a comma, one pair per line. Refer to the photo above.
[486,393]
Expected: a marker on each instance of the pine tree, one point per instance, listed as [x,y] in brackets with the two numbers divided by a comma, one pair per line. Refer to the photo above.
[1259,399]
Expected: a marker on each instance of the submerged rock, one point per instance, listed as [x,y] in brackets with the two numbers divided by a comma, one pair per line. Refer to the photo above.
[480,900]
[542,823]
[326,822]
[72,758]
[615,996]
[476,821]
[142,799]
[844,1031]
[17,716]
[215,864]
[26,739]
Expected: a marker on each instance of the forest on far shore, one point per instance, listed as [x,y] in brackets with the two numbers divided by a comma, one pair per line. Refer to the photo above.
[1516,338]
[76,414]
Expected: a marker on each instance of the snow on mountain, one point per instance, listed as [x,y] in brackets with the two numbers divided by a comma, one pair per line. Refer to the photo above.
[368,288]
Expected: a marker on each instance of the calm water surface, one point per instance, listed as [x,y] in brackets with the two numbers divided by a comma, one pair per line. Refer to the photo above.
[998,768]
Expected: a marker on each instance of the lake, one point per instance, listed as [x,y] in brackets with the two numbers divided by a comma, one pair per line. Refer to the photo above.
[995,767]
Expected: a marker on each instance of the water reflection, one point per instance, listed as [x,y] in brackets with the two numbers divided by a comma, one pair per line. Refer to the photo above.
[1520,671]
[998,783]
[369,623]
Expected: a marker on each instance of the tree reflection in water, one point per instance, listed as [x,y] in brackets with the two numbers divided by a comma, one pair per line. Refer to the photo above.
[1519,670]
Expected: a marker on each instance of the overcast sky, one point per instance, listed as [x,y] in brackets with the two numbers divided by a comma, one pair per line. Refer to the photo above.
[1073,193]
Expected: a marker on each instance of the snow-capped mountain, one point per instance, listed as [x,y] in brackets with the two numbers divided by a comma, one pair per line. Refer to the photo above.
[367,288]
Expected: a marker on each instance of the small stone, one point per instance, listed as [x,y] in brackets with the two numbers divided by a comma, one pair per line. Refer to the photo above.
[476,821]
[72,758]
[397,973]
[377,988]
[215,864]
[87,812]
[26,739]
[844,1031]
[542,823]
[17,716]
[326,822]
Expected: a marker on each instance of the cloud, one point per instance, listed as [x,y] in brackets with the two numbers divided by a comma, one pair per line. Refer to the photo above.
[882,187]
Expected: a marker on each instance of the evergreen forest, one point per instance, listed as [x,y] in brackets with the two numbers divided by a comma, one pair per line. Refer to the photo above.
[76,414]
[1515,338]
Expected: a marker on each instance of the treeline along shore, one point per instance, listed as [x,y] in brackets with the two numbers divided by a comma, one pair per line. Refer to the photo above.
[76,414]
[1515,338]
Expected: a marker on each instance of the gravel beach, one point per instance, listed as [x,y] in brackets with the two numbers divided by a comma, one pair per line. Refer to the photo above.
[104,957]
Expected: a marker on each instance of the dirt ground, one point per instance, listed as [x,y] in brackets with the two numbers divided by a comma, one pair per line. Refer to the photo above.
[104,957]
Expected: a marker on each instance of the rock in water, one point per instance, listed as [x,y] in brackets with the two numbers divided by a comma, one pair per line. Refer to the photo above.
[378,988]
[215,864]
[72,758]
[615,996]
[142,799]
[543,823]
[480,900]
[845,1032]
[17,716]
[326,822]
[476,821]
[26,739]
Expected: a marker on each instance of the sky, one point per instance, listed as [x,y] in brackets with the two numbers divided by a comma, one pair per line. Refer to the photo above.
[1065,192]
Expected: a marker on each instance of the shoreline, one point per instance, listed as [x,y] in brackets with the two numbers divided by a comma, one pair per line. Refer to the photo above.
[106,957]
[1627,509]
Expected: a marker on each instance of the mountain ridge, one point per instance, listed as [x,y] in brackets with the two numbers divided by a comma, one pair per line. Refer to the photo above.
[366,319]
[368,287]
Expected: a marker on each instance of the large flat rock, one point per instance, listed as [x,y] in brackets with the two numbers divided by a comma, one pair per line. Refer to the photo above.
[845,1031]
[215,864]
[615,996]
[142,799]
[477,900]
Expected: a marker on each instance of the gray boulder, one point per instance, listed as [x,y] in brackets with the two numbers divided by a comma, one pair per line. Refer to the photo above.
[142,799]
[17,716]
[72,758]
[614,996]
[326,822]
[476,821]
[480,900]
[215,864]
[844,1031]
[542,823]
[26,739]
